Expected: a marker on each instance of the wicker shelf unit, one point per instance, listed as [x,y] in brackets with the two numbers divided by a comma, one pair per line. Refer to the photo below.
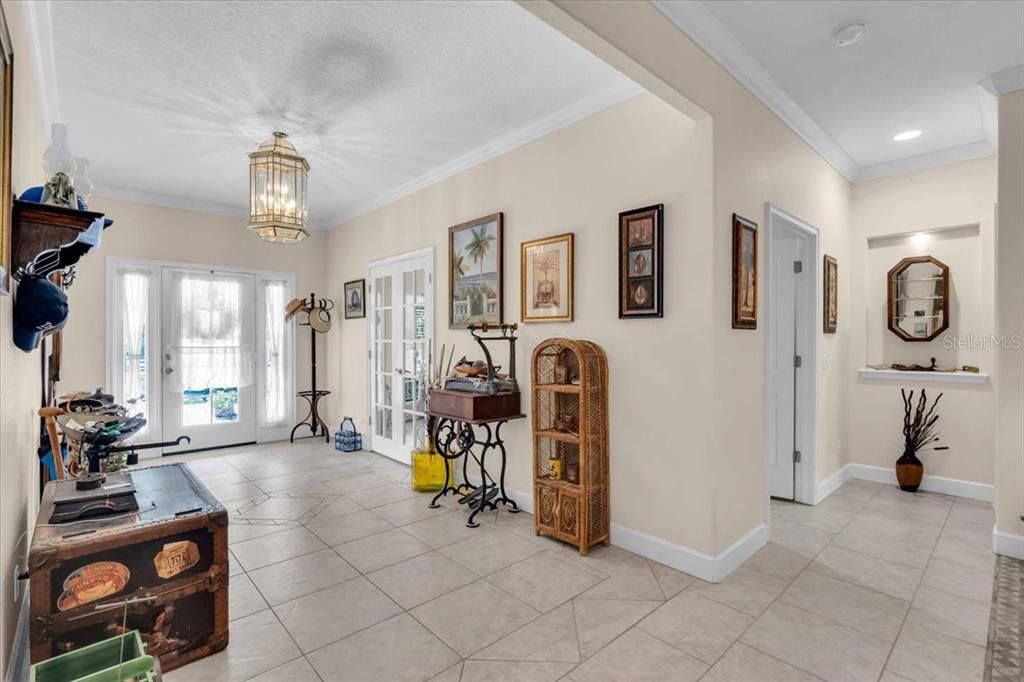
[569,396]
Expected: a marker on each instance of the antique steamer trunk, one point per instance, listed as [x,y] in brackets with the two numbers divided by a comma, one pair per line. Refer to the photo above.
[168,560]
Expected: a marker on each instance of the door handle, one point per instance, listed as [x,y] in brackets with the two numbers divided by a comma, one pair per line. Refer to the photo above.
[168,370]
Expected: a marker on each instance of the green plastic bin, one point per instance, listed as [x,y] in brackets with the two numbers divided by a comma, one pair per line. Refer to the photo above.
[99,663]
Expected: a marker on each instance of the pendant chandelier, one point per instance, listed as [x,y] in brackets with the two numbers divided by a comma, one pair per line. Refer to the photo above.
[277,192]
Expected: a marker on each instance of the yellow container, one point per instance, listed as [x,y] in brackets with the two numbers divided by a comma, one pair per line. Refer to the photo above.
[428,470]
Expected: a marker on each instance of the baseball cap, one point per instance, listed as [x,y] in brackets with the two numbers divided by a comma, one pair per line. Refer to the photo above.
[40,308]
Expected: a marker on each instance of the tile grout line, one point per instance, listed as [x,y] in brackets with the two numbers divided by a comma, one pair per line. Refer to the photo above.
[910,607]
[788,585]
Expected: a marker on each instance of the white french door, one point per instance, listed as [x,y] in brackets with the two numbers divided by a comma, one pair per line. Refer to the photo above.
[401,313]
[208,357]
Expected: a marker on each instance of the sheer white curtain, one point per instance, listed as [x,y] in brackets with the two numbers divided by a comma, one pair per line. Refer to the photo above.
[275,382]
[210,341]
[134,287]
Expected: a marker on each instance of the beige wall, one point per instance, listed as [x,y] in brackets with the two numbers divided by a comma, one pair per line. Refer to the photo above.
[156,233]
[961,194]
[20,388]
[578,179]
[757,159]
[1010,320]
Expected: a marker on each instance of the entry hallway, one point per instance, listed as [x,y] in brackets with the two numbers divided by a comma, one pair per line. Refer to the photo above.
[341,572]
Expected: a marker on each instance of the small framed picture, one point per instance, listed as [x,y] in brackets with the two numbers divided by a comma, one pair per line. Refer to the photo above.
[744,273]
[475,260]
[640,255]
[831,303]
[355,299]
[546,272]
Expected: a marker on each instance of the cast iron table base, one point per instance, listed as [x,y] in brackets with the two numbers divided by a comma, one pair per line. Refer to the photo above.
[454,439]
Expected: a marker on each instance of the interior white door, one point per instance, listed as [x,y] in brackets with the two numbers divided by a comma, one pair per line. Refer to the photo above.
[401,328]
[786,255]
[208,358]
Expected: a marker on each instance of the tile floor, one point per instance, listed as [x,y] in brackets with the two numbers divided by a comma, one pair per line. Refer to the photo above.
[340,572]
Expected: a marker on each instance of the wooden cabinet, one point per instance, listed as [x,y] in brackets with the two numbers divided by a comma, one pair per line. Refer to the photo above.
[569,397]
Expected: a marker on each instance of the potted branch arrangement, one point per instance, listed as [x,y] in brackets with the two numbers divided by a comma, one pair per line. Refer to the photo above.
[919,431]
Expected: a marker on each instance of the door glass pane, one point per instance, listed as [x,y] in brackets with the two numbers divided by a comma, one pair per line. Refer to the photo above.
[383,422]
[382,292]
[408,287]
[383,361]
[275,380]
[134,286]
[421,286]
[384,389]
[195,407]
[382,324]
[225,404]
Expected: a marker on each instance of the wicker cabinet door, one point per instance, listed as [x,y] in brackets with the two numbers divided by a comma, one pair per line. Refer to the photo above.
[547,507]
[568,516]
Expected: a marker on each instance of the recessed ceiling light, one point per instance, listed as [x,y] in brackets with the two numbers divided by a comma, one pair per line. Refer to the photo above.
[849,34]
[907,135]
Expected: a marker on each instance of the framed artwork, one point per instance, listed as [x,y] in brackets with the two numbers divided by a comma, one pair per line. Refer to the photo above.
[475,256]
[355,299]
[6,127]
[831,303]
[640,254]
[546,272]
[744,273]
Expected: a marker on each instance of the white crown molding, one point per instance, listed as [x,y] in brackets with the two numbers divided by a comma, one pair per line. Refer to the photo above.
[588,106]
[1006,81]
[40,30]
[942,157]
[697,21]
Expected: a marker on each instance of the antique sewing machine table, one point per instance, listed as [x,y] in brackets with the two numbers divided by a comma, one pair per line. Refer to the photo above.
[460,417]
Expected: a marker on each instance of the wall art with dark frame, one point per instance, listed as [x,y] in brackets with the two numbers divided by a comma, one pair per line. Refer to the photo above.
[744,273]
[641,250]
[355,299]
[476,272]
[830,299]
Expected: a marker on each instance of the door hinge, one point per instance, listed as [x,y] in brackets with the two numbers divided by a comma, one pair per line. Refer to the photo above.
[798,266]
[797,456]
[798,361]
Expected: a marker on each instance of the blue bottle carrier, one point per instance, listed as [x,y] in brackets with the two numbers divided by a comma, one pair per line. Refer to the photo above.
[347,439]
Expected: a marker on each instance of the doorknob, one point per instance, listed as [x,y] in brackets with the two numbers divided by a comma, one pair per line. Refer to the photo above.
[168,370]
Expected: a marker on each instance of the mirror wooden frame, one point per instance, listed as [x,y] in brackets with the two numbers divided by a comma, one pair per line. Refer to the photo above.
[894,326]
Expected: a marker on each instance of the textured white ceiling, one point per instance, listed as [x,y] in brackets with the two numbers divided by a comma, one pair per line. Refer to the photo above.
[167,98]
[917,66]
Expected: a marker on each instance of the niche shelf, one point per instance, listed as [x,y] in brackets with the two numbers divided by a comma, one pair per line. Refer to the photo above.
[958,377]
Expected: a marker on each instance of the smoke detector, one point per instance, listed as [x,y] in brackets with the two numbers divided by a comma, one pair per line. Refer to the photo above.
[849,34]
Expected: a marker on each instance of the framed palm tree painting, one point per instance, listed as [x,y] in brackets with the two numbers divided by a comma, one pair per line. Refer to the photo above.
[475,272]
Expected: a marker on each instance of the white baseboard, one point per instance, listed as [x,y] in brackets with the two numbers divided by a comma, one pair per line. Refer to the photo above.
[934,484]
[1007,544]
[704,566]
[18,661]
[830,484]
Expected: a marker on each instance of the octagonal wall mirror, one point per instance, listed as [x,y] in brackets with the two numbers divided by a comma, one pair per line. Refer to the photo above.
[919,298]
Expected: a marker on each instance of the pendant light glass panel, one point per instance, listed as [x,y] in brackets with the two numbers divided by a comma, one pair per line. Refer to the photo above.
[277,192]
